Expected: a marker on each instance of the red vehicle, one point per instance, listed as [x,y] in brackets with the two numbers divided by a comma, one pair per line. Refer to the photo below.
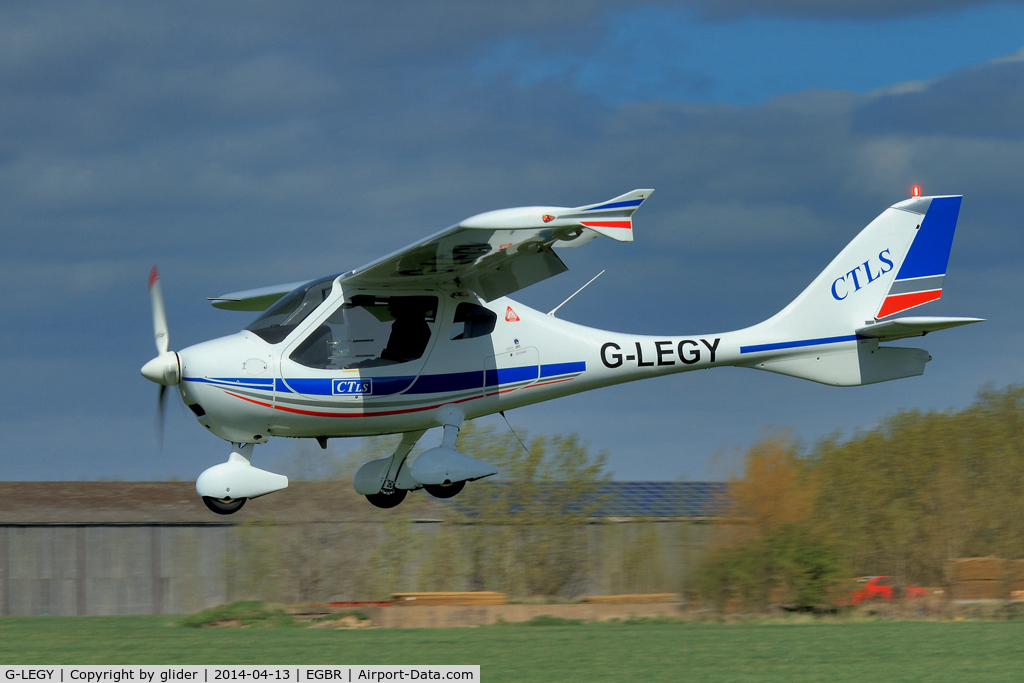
[878,588]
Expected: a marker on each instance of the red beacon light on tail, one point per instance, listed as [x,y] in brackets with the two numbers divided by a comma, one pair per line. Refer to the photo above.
[915,191]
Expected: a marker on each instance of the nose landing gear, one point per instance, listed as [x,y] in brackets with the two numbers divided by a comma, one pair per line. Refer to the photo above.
[224,488]
[224,506]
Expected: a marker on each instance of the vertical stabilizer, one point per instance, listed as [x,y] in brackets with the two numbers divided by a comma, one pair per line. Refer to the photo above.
[897,262]
[919,279]
[827,334]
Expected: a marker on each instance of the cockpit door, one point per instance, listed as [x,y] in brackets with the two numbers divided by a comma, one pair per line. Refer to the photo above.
[514,369]
[370,346]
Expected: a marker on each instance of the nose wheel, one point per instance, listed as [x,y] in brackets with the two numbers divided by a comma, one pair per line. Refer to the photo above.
[225,506]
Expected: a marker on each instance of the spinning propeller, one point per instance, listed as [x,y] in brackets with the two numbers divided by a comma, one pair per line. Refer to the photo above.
[165,369]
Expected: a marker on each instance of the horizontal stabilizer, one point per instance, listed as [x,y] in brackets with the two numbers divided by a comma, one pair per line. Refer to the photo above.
[252,299]
[919,326]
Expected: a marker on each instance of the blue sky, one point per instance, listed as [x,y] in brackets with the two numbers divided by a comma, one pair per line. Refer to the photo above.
[245,144]
[667,52]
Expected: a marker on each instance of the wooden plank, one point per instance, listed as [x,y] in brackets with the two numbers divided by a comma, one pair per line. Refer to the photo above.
[634,598]
[434,598]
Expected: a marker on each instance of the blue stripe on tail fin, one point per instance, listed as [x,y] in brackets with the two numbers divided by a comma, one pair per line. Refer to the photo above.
[929,254]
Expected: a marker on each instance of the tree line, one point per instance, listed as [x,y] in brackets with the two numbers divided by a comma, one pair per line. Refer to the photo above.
[901,499]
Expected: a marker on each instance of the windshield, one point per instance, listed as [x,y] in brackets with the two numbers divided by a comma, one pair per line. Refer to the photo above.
[280,319]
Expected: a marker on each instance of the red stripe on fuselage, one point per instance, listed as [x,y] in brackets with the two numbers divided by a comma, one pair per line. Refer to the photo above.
[318,413]
[898,303]
[384,413]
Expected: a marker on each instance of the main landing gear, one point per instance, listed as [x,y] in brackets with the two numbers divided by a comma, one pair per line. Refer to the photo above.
[387,498]
[386,482]
[442,471]
[445,490]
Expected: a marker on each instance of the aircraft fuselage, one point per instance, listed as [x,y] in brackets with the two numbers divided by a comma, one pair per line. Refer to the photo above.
[248,389]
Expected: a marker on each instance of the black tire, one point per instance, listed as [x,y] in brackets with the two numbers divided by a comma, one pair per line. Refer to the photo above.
[445,490]
[224,507]
[388,498]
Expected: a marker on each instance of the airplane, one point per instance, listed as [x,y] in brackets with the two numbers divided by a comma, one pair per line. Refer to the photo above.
[427,337]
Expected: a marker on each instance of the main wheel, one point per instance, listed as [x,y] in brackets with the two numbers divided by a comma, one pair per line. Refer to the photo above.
[226,506]
[387,498]
[445,490]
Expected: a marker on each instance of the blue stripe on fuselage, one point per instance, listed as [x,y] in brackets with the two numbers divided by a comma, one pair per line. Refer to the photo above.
[554,369]
[322,386]
[424,384]
[451,381]
[795,344]
[500,376]
[245,383]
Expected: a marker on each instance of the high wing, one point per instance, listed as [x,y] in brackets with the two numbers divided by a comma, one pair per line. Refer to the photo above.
[499,252]
[493,254]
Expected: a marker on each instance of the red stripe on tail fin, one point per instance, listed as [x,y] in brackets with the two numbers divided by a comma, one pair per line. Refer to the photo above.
[897,303]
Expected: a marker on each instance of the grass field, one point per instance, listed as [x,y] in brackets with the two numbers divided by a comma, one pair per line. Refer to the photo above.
[833,652]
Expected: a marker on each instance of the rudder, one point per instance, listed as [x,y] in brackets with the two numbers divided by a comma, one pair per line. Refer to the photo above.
[919,279]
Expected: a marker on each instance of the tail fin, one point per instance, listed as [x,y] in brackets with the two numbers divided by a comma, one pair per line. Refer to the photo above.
[896,263]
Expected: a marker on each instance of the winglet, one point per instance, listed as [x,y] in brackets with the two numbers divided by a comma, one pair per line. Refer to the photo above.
[612,218]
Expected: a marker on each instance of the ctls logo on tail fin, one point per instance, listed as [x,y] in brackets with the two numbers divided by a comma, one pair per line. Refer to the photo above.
[861,276]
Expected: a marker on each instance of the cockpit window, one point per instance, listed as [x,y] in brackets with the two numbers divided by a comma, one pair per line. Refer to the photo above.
[472,320]
[371,331]
[289,311]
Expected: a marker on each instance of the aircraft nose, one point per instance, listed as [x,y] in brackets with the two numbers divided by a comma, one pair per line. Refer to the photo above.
[165,369]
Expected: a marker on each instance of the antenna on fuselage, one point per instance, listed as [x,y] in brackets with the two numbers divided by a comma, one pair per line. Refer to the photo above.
[552,311]
[502,413]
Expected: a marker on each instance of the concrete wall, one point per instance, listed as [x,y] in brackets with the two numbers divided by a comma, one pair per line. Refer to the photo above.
[111,569]
[152,568]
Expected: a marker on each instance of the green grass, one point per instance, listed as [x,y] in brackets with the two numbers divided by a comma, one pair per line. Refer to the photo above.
[255,614]
[551,651]
[246,612]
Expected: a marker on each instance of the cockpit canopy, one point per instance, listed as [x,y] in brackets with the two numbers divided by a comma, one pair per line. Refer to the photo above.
[289,311]
[366,330]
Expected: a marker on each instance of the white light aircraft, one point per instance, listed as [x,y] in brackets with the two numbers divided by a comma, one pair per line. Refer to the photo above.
[425,337]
